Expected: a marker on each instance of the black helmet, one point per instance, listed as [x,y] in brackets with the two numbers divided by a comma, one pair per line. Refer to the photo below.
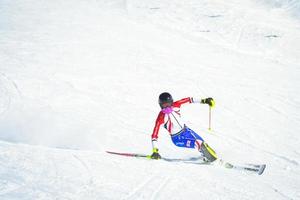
[165,99]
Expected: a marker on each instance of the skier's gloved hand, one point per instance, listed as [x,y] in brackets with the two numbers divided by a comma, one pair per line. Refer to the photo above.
[210,101]
[155,155]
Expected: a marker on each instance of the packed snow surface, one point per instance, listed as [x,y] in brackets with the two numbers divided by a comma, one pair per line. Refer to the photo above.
[79,77]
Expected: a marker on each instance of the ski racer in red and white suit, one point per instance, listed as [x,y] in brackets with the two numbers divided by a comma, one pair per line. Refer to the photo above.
[181,135]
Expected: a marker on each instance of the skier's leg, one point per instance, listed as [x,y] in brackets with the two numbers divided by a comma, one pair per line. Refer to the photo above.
[208,152]
[187,138]
[184,139]
[203,147]
[181,141]
[198,144]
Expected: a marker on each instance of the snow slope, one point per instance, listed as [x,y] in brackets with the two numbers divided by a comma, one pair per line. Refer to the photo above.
[81,77]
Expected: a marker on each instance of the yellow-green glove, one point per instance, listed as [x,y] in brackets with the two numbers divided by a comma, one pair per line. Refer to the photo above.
[155,155]
[210,101]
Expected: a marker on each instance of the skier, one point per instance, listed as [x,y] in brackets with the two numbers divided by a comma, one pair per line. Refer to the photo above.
[181,135]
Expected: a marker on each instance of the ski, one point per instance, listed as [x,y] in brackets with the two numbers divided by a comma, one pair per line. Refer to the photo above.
[191,159]
[250,168]
[130,154]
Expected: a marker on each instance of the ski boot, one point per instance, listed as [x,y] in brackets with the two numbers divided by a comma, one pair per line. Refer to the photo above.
[208,153]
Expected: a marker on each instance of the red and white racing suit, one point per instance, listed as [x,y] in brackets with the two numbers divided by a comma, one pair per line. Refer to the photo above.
[172,121]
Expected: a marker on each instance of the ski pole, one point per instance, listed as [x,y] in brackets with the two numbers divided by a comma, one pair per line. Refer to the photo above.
[209,119]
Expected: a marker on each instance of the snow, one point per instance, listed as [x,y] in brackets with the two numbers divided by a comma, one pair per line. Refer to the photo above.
[78,78]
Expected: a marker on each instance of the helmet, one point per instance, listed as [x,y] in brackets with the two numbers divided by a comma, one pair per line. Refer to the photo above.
[165,100]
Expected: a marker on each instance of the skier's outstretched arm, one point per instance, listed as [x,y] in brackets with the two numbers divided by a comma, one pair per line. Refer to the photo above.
[154,136]
[210,101]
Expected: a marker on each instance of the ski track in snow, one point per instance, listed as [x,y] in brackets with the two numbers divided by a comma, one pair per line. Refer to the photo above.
[284,158]
[149,189]
[282,194]
[9,90]
[88,171]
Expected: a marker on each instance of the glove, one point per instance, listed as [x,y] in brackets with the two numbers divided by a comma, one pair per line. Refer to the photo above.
[155,155]
[210,101]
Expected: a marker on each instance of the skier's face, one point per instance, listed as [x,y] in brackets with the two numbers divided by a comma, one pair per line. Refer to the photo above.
[166,104]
